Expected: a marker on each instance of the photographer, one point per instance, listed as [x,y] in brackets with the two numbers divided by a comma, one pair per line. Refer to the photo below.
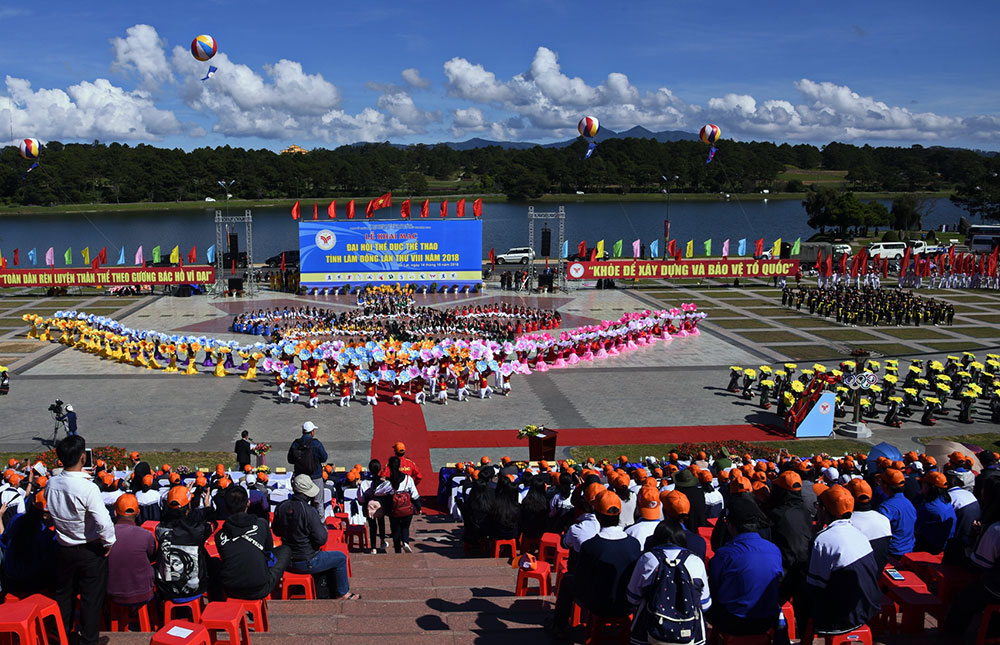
[68,417]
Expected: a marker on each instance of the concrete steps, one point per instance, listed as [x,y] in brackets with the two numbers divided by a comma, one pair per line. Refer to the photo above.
[434,595]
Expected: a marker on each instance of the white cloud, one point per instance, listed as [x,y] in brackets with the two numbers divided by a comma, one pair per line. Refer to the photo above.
[142,52]
[413,78]
[87,110]
[550,103]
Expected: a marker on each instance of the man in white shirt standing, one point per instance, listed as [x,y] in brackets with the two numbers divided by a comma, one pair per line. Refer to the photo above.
[85,535]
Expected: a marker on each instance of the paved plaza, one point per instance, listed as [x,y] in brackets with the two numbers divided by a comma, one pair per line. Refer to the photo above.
[676,384]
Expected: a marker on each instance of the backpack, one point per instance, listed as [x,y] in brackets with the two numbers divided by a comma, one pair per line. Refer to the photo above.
[303,458]
[178,565]
[672,613]
[402,504]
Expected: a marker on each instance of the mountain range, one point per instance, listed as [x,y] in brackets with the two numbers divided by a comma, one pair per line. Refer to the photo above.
[638,132]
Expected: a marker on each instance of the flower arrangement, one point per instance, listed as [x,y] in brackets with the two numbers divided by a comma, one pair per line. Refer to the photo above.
[261,448]
[530,430]
[182,470]
[263,469]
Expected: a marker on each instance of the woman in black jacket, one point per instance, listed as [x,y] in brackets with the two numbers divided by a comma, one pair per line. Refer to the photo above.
[475,511]
[504,518]
[534,511]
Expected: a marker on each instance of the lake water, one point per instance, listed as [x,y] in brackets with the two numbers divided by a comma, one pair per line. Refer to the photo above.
[504,226]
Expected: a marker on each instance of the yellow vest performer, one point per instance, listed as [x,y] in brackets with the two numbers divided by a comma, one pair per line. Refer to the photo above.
[251,360]
[170,351]
[31,319]
[192,354]
[220,368]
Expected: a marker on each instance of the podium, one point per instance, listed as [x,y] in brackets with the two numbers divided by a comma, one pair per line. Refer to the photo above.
[542,446]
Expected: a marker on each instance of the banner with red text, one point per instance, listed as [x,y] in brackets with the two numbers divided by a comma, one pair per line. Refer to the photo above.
[107,276]
[679,269]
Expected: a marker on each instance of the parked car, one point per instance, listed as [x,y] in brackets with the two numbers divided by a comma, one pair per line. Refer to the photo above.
[984,243]
[291,259]
[517,255]
[891,250]
[923,248]
[841,249]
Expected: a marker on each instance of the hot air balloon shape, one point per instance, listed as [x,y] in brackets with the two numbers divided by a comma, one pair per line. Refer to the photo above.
[588,127]
[710,135]
[204,47]
[30,149]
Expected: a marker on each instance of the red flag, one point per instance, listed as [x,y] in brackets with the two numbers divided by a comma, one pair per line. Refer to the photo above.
[404,209]
[993,262]
[842,269]
[350,209]
[295,211]
[581,249]
[3,264]
[282,261]
[331,210]
[444,208]
[460,208]
[593,254]
[758,247]
[95,264]
[672,248]
[385,201]
[855,263]
[951,256]
[15,257]
[425,209]
[193,255]
[819,260]
[103,255]
[829,265]
[493,257]
[234,266]
[863,269]
[315,211]
[904,264]
[677,254]
[982,263]
[477,208]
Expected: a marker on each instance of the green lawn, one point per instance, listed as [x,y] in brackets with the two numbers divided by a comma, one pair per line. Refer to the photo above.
[986,318]
[771,310]
[811,324]
[973,299]
[810,352]
[912,333]
[987,440]
[978,332]
[845,334]
[966,309]
[772,336]
[741,323]
[956,346]
[889,349]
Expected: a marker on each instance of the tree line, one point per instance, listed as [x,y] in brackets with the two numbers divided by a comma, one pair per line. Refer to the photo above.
[108,173]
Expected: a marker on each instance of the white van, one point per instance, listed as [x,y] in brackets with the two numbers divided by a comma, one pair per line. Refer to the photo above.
[984,243]
[891,250]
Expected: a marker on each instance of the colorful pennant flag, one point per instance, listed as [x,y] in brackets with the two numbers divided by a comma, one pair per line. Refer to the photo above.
[689,250]
[50,257]
[404,209]
[193,255]
[86,254]
[121,257]
[156,254]
[616,249]
[444,208]
[776,251]
[175,255]
[295,211]
[477,208]
[68,256]
[331,210]
[636,249]
[425,209]
[708,247]
[725,248]
[33,257]
[350,209]
[460,208]
[796,246]
[741,248]
[385,201]
[600,249]
[565,247]
[654,248]
[210,254]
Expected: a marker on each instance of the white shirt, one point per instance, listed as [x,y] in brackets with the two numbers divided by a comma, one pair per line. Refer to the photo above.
[580,531]
[77,510]
[641,530]
[645,570]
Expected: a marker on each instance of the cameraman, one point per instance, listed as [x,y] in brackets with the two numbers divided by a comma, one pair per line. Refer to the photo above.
[69,417]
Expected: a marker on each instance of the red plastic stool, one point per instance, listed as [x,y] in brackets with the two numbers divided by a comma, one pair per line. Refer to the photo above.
[789,613]
[499,544]
[304,580]
[548,547]
[21,618]
[332,521]
[229,617]
[530,545]
[192,606]
[560,570]
[578,617]
[913,603]
[121,617]
[150,526]
[340,546]
[181,632]
[984,625]
[48,608]
[539,573]
[345,518]
[258,613]
[617,630]
[356,536]
[862,635]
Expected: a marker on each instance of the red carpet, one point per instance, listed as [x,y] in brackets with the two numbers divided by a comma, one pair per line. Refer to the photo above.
[608,436]
[405,423]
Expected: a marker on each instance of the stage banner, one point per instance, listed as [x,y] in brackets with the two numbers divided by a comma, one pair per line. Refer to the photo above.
[107,276]
[448,252]
[677,269]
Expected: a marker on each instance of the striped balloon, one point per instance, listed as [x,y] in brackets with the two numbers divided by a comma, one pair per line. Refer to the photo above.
[710,134]
[588,126]
[203,47]
[30,149]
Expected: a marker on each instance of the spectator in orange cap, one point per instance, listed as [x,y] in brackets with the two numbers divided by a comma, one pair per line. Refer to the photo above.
[619,483]
[714,501]
[842,582]
[901,513]
[676,508]
[130,571]
[406,465]
[649,511]
[936,520]
[873,524]
[31,555]
[561,504]
[791,529]
[583,529]
[149,499]
[606,562]
[182,568]
[139,470]
[985,558]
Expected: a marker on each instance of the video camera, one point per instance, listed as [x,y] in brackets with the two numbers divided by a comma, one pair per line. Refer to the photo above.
[57,407]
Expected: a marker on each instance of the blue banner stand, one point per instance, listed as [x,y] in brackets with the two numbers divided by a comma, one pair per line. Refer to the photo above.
[819,421]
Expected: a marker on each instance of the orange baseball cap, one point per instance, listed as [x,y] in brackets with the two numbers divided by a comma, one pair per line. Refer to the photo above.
[174,478]
[165,468]
[789,480]
[893,477]
[484,460]
[262,477]
[723,475]
[740,485]
[133,455]
[819,488]
[860,489]
[147,480]
[39,501]
[127,505]
[935,479]
[220,469]
[705,477]
[543,464]
[837,500]
[178,497]
[201,481]
[99,463]
[247,468]
[649,503]
[399,447]
[12,462]
[353,476]
[591,492]
[505,460]
[608,504]
[224,482]
[928,460]
[675,504]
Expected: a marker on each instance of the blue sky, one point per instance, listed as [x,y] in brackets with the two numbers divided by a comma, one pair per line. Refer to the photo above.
[324,73]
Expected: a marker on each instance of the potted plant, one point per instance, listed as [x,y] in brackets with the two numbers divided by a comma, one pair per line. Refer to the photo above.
[261,450]
[541,442]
